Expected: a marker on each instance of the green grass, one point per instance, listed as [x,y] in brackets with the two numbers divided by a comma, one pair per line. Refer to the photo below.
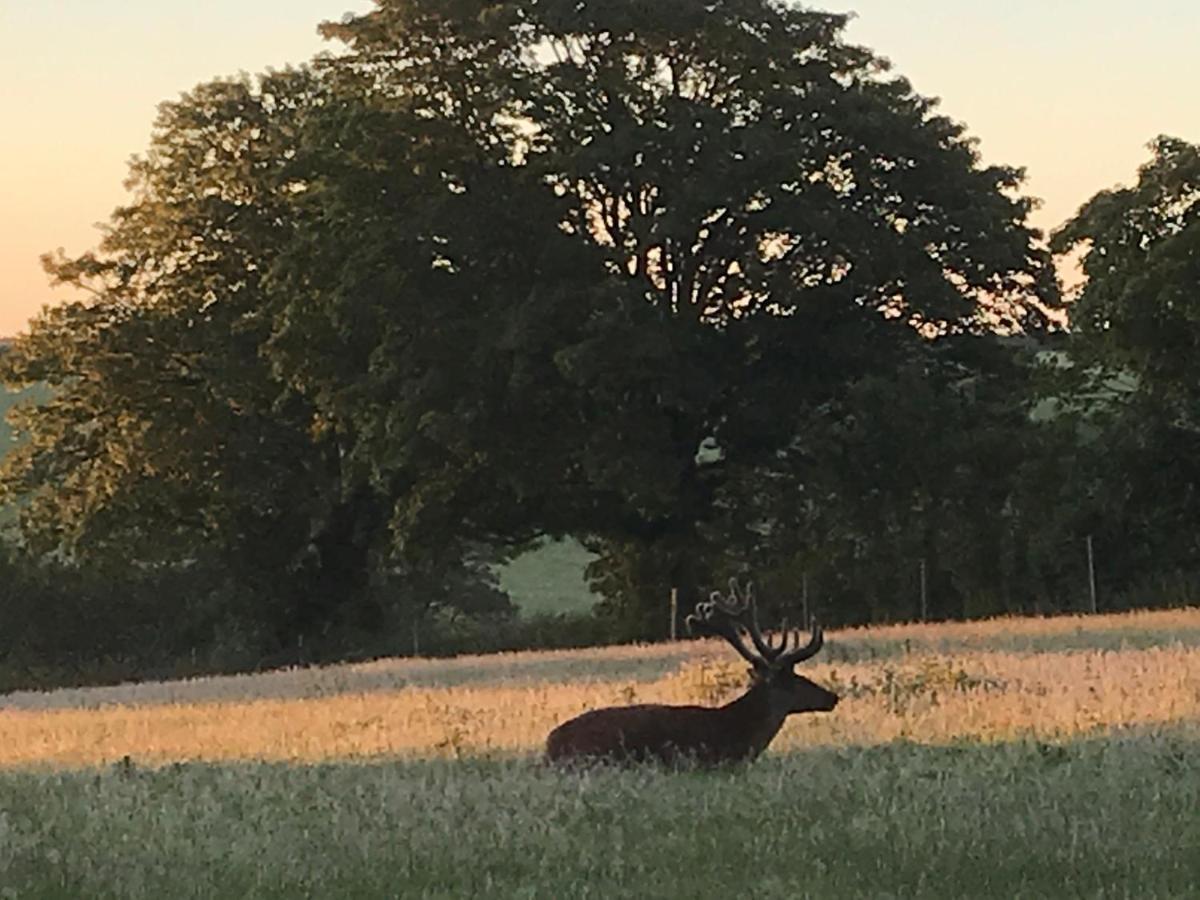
[1112,817]
[550,579]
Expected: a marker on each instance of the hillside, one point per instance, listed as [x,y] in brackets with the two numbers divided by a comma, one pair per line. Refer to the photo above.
[549,579]
[7,440]
[8,399]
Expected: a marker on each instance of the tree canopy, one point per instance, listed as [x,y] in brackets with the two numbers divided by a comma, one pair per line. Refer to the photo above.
[496,270]
[1133,378]
[1140,246]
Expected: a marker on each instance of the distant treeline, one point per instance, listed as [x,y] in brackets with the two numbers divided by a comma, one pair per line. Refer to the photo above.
[707,289]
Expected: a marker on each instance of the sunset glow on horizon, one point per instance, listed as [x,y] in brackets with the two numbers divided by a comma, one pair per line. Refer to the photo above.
[1072,91]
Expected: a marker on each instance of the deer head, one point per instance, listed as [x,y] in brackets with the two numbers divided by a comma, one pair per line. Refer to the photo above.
[735,619]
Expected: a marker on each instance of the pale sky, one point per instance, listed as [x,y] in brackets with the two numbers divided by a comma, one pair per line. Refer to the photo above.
[1071,89]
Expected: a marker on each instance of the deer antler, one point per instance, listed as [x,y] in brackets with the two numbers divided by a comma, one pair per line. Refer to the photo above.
[745,613]
[736,615]
[713,616]
[801,653]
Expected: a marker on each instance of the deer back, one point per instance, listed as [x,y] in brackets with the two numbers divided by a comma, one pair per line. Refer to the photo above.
[660,733]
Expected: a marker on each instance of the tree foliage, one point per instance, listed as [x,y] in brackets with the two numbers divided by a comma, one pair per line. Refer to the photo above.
[624,271]
[1133,379]
[169,438]
[759,211]
[1137,312]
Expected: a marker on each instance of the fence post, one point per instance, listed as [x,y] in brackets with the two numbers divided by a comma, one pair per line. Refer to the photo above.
[924,594]
[674,611]
[1092,574]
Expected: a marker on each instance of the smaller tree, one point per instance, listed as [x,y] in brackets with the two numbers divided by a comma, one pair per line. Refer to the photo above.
[1139,310]
[1134,374]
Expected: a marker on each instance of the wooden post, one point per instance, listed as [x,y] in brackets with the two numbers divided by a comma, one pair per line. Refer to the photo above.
[1091,574]
[924,594]
[674,611]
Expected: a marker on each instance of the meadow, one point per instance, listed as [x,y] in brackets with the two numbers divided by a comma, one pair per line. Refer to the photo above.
[1018,757]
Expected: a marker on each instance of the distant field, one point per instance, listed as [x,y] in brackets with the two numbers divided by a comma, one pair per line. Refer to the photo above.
[550,579]
[1033,758]
[7,440]
[7,400]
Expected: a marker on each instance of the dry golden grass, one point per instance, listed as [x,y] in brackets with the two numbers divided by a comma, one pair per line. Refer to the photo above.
[1164,621]
[931,684]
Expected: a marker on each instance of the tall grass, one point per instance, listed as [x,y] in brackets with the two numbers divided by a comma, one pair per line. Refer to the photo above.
[1113,817]
[1018,758]
[933,684]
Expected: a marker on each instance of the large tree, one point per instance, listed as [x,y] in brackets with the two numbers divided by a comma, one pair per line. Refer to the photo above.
[756,214]
[507,268]
[162,425]
[169,439]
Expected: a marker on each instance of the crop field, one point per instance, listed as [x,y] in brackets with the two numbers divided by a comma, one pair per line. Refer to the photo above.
[1012,758]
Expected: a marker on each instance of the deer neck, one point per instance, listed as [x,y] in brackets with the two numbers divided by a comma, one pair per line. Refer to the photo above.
[754,718]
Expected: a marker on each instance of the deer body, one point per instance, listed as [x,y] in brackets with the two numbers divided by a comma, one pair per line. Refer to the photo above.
[738,731]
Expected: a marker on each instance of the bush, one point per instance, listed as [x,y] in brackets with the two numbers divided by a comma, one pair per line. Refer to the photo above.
[66,625]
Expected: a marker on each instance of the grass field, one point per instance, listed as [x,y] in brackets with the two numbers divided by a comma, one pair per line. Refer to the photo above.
[1031,758]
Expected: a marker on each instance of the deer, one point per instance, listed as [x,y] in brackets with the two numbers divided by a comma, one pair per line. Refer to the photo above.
[706,736]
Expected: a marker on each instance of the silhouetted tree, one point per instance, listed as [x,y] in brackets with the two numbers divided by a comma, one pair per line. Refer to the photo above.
[502,269]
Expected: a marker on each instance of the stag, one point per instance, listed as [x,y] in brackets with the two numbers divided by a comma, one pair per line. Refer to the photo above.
[738,731]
